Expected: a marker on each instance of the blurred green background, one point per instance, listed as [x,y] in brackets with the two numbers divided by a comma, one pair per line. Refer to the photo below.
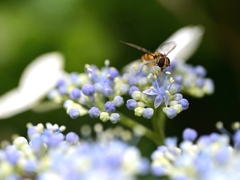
[89,32]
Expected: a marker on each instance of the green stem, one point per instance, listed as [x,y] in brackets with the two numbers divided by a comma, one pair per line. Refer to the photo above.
[158,122]
[130,123]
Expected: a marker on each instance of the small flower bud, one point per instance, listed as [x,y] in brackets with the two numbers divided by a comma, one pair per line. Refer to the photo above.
[189,134]
[110,106]
[131,104]
[138,111]
[107,91]
[74,113]
[72,137]
[104,116]
[114,118]
[137,95]
[75,93]
[184,103]
[148,113]
[200,71]
[171,113]
[113,73]
[118,100]
[88,89]
[94,112]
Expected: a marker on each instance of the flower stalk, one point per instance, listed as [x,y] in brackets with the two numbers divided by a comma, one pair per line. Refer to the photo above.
[158,123]
[130,123]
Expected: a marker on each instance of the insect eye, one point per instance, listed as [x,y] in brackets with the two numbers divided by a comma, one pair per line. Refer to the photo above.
[168,62]
[161,62]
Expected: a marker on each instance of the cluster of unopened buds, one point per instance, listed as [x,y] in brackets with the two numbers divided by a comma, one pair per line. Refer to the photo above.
[213,156]
[100,92]
[47,154]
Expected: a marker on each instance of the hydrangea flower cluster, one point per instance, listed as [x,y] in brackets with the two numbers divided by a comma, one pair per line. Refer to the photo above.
[49,154]
[99,92]
[209,157]
[191,80]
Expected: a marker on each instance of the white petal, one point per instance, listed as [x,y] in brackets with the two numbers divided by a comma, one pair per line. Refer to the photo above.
[187,39]
[11,103]
[36,81]
[41,76]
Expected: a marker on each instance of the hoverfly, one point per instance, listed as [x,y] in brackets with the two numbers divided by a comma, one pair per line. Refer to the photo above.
[158,58]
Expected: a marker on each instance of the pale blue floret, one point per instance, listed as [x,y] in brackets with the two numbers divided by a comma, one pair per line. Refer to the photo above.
[31,130]
[170,143]
[131,104]
[60,82]
[94,112]
[75,93]
[114,118]
[171,113]
[158,170]
[184,103]
[178,79]
[110,106]
[107,90]
[67,104]
[148,113]
[189,134]
[74,113]
[113,73]
[30,166]
[124,88]
[236,138]
[36,143]
[223,155]
[200,71]
[118,100]
[88,89]
[72,137]
[200,82]
[178,97]
[12,154]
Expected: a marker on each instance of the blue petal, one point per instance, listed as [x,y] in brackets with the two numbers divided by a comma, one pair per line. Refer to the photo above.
[150,92]
[158,101]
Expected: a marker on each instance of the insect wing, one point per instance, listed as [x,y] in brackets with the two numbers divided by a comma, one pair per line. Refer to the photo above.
[166,48]
[136,47]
